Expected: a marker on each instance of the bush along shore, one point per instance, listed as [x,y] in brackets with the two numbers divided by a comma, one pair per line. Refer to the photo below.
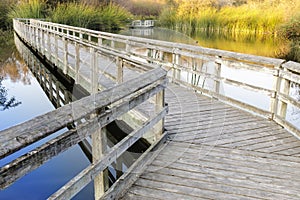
[275,18]
[106,16]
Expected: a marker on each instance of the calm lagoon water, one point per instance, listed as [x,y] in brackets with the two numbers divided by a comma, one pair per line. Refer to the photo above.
[262,45]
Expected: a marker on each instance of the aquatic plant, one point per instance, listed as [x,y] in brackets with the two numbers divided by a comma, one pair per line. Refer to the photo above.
[108,17]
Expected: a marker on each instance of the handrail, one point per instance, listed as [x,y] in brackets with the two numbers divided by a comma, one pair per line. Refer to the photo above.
[200,68]
[97,111]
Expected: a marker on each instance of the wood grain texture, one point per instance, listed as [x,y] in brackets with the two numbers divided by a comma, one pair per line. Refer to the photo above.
[216,152]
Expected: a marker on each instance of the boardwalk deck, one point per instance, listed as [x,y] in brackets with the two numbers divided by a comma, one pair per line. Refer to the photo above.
[213,151]
[219,152]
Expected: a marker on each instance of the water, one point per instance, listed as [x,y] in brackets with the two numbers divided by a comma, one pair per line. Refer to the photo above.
[262,45]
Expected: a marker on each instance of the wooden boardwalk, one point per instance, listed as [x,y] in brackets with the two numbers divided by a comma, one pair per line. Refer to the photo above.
[216,151]
[213,150]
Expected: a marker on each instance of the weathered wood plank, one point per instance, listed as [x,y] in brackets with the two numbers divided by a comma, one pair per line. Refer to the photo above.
[215,169]
[292,66]
[212,162]
[215,187]
[21,135]
[290,76]
[157,193]
[188,191]
[40,155]
[290,151]
[268,135]
[88,174]
[133,196]
[222,125]
[231,181]
[290,160]
[225,138]
[131,175]
[236,161]
[282,147]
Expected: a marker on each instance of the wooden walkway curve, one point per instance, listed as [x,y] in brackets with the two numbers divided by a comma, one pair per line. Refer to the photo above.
[213,150]
[216,151]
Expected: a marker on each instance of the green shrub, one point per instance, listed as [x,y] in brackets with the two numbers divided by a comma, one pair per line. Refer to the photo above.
[110,17]
[291,31]
[74,14]
[4,9]
[29,9]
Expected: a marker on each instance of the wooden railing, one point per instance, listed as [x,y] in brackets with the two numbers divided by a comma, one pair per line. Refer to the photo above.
[95,112]
[142,23]
[75,53]
[207,71]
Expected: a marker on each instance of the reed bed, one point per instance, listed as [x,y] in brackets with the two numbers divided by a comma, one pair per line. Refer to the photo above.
[254,18]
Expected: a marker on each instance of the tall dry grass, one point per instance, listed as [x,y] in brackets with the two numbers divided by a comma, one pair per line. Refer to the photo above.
[252,18]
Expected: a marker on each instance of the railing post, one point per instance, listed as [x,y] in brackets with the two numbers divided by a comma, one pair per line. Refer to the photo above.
[77,62]
[95,70]
[284,89]
[159,105]
[80,36]
[274,98]
[100,40]
[98,149]
[218,74]
[56,50]
[43,46]
[128,47]
[30,34]
[49,45]
[112,43]
[36,37]
[149,53]
[161,55]
[39,39]
[120,70]
[65,55]
[176,59]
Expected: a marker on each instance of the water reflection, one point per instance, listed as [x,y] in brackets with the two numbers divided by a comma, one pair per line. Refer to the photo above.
[262,45]
[15,69]
[5,101]
[160,34]
[293,113]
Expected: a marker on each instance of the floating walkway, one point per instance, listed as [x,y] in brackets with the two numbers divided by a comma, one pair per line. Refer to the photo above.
[214,145]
